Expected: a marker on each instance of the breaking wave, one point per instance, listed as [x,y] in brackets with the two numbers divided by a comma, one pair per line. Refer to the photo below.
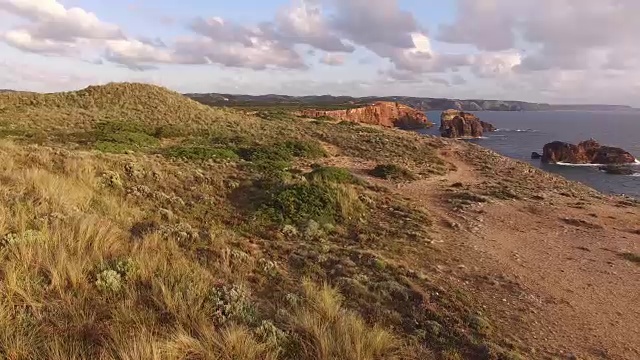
[517,130]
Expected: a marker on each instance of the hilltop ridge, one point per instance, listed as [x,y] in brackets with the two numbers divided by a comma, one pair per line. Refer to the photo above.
[148,104]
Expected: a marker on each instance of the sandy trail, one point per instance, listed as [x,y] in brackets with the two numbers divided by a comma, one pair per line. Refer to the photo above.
[550,272]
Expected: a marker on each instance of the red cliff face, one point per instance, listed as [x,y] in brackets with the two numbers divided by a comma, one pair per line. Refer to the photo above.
[586,152]
[382,113]
[459,124]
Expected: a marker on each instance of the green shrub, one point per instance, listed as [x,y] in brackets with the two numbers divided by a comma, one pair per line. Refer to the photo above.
[120,137]
[480,325]
[631,257]
[112,127]
[275,115]
[269,154]
[324,118]
[304,149]
[332,174]
[201,153]
[125,267]
[300,202]
[392,172]
[112,148]
[170,131]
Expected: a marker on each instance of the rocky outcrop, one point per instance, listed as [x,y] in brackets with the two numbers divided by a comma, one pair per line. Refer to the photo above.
[586,152]
[388,114]
[536,156]
[459,124]
[486,127]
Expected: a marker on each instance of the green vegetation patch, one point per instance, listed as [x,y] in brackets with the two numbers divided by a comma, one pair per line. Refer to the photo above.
[392,172]
[635,258]
[201,153]
[275,115]
[119,137]
[332,175]
[324,118]
[170,132]
[301,202]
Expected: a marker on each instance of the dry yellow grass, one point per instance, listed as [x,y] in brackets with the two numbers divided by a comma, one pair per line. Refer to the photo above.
[331,332]
[58,235]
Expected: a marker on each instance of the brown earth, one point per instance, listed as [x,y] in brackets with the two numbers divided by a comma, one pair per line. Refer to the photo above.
[548,266]
[382,113]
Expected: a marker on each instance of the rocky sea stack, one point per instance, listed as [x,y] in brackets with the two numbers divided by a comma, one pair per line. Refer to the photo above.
[586,152]
[459,124]
[383,113]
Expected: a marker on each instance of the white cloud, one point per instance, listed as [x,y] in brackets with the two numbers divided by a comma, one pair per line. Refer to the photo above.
[50,20]
[544,50]
[558,34]
[305,24]
[23,40]
[333,59]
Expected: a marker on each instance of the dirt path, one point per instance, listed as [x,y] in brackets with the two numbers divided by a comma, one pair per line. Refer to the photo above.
[550,273]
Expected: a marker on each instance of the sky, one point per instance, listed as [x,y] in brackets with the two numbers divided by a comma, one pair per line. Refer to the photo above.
[555,51]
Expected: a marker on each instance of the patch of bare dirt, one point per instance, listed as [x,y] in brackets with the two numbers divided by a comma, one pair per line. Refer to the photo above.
[546,266]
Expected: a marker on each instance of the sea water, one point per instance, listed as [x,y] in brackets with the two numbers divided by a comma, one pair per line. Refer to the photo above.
[521,133]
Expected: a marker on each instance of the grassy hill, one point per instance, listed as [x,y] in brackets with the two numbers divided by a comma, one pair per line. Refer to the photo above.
[138,224]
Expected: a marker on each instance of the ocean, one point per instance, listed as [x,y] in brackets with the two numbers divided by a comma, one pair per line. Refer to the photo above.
[520,133]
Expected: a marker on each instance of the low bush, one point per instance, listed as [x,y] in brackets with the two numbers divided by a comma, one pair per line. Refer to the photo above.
[201,153]
[170,131]
[392,172]
[120,137]
[332,175]
[631,257]
[298,203]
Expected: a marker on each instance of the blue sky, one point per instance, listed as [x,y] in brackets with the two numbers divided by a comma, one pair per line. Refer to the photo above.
[535,50]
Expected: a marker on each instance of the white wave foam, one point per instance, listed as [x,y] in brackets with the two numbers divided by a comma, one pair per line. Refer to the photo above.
[578,165]
[592,165]
[517,130]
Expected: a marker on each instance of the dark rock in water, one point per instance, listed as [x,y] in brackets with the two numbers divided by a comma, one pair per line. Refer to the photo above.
[459,124]
[535,155]
[586,152]
[486,127]
[617,170]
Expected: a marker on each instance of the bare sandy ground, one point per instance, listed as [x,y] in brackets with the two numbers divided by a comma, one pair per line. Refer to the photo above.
[550,271]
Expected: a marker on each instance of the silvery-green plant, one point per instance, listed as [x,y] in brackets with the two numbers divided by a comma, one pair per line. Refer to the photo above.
[109,281]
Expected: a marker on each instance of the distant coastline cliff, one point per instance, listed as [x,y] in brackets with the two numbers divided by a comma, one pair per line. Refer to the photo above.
[419,103]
